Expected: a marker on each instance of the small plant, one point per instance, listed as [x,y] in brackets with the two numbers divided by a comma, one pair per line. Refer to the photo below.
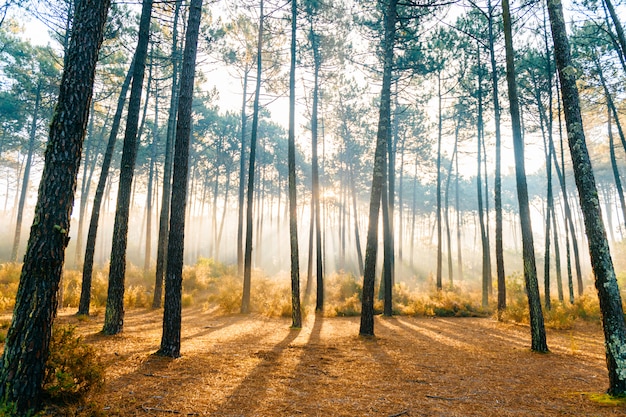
[73,369]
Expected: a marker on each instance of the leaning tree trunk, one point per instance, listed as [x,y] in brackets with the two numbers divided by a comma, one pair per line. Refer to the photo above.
[369,275]
[28,338]
[606,283]
[114,313]
[296,314]
[247,262]
[538,332]
[90,245]
[172,312]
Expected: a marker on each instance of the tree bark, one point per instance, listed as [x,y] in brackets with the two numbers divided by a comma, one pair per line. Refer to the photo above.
[114,313]
[497,187]
[164,215]
[172,312]
[296,314]
[27,342]
[538,333]
[606,283]
[247,267]
[317,62]
[367,309]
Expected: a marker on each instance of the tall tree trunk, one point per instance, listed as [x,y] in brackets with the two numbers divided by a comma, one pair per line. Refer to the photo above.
[296,314]
[247,270]
[459,245]
[486,261]
[114,313]
[439,138]
[90,246]
[569,223]
[447,207]
[164,215]
[538,333]
[401,201]
[84,188]
[317,61]
[601,262]
[497,186]
[170,340]
[25,181]
[557,257]
[27,342]
[369,276]
[224,212]
[385,282]
[242,175]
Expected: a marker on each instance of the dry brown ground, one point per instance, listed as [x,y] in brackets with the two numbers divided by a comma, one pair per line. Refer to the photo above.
[256,366]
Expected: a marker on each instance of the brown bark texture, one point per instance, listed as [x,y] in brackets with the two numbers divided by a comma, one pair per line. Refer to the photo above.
[28,338]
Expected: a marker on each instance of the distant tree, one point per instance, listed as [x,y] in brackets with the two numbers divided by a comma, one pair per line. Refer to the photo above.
[34,76]
[26,346]
[606,283]
[114,313]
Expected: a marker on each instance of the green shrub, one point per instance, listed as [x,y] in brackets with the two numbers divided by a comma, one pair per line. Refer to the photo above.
[73,369]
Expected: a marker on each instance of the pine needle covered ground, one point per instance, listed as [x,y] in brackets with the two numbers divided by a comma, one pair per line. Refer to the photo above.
[253,365]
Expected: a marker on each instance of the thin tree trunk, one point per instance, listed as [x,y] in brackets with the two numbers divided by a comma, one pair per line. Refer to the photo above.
[447,206]
[357,237]
[25,180]
[486,267]
[615,169]
[242,175]
[90,246]
[153,156]
[247,270]
[439,138]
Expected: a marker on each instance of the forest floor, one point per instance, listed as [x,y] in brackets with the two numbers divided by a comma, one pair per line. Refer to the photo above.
[251,365]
